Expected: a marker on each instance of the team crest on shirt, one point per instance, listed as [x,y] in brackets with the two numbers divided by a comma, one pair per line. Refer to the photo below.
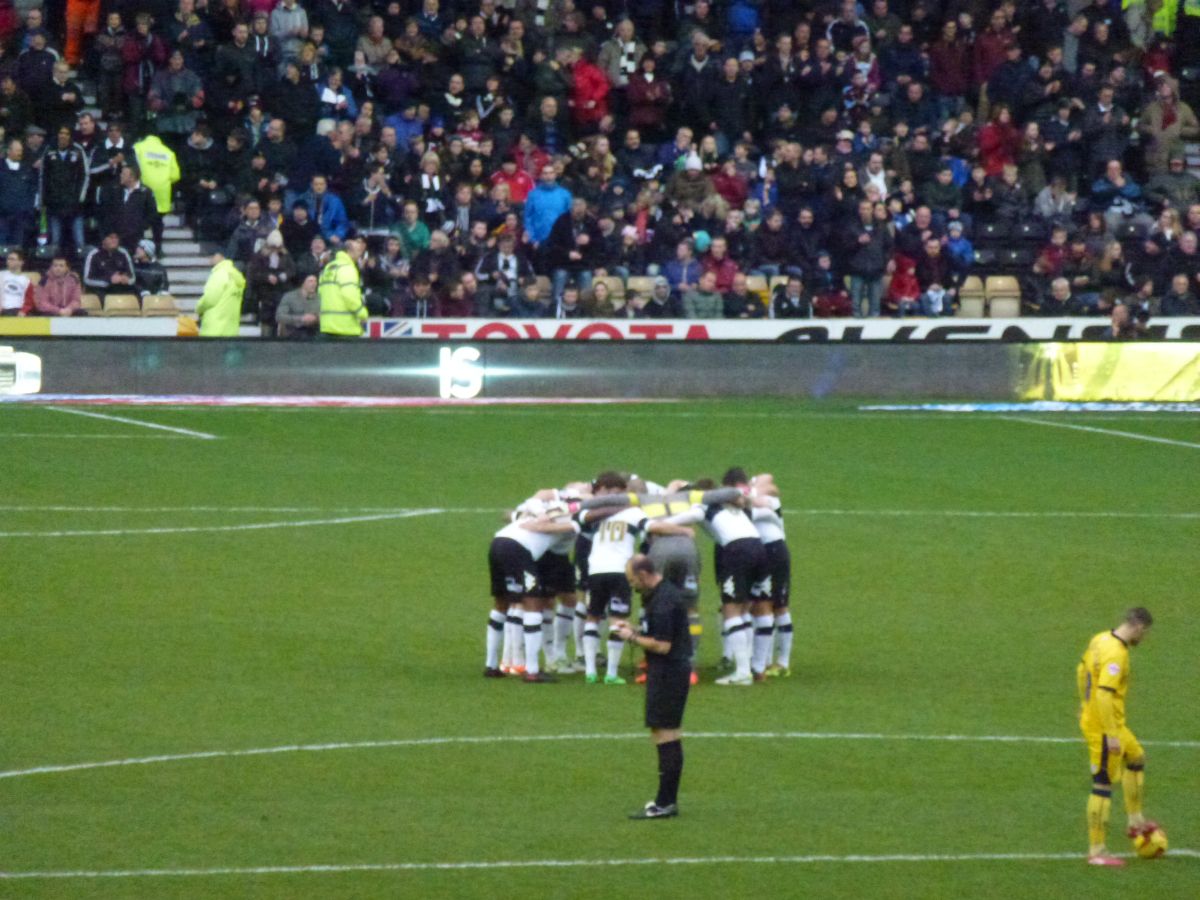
[1114,668]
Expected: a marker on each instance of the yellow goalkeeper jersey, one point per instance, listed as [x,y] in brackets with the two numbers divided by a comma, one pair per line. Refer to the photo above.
[1104,667]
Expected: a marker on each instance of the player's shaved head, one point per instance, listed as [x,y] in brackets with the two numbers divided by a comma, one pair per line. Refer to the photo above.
[1139,615]
[734,477]
[642,564]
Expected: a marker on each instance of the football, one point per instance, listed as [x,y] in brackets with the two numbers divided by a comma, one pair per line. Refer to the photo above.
[1151,842]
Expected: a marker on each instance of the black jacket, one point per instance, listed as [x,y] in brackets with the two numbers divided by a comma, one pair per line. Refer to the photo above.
[128,216]
[64,181]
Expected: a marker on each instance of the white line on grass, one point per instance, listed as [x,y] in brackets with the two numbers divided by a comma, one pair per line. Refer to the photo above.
[195,529]
[330,869]
[91,437]
[186,432]
[949,513]
[1132,435]
[547,738]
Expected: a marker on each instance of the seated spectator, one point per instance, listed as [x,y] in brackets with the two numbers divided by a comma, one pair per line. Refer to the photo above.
[740,303]
[59,294]
[904,289]
[704,301]
[791,300]
[299,311]
[464,299]
[150,275]
[532,303]
[1124,325]
[1055,203]
[1119,197]
[1059,301]
[109,268]
[935,275]
[959,252]
[270,273]
[601,303]
[1176,187]
[438,264]
[298,231]
[658,304]
[314,259]
[1180,300]
[718,261]
[16,288]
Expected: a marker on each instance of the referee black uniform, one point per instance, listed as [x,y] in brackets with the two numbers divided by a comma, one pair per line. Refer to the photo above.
[668,677]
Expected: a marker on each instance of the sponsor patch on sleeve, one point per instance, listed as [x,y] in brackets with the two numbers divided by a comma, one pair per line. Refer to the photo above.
[1114,668]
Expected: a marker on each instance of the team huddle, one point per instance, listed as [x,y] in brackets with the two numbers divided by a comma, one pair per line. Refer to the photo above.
[545,606]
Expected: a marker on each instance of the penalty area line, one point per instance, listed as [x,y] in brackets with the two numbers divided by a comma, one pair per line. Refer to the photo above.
[333,869]
[548,738]
[186,432]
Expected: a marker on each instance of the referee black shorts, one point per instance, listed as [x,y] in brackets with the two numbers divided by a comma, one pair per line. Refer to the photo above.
[555,575]
[741,570]
[512,569]
[609,593]
[666,695]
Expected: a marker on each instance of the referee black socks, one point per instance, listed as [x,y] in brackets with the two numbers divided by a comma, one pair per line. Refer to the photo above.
[670,769]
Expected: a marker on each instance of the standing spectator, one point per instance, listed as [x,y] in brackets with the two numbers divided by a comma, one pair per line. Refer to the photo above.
[545,203]
[572,247]
[220,307]
[16,110]
[176,97]
[299,312]
[589,94]
[249,234]
[270,273]
[109,268]
[696,80]
[64,189]
[868,245]
[108,65]
[59,293]
[128,208]
[1166,122]
[649,97]
[991,47]
[142,53]
[999,142]
[59,100]
[326,210]
[289,26]
[18,192]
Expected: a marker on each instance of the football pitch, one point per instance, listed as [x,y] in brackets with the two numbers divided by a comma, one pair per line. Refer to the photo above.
[241,656]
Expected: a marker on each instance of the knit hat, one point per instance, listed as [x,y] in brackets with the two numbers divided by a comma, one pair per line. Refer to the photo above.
[147,246]
[692,163]
[275,239]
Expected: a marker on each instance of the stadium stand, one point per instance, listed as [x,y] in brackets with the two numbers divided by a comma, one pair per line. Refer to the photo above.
[943,142]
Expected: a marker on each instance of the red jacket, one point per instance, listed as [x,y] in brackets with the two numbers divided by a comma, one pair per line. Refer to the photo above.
[142,58]
[589,97]
[991,48]
[950,68]
[519,185]
[56,294]
[998,145]
[725,270]
[732,188]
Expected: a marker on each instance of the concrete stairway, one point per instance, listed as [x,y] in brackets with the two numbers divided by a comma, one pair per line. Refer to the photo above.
[187,263]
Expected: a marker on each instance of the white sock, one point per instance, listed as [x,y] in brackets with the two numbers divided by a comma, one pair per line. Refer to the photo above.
[495,637]
[726,648]
[564,619]
[741,651]
[533,641]
[580,621]
[764,627]
[615,648]
[591,647]
[512,636]
[783,638]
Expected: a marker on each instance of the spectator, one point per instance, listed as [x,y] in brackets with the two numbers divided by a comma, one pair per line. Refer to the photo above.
[176,97]
[109,268]
[1180,300]
[150,275]
[1176,187]
[18,192]
[572,247]
[59,100]
[704,301]
[791,300]
[314,259]
[657,305]
[720,263]
[249,234]
[16,288]
[64,189]
[142,53]
[868,246]
[271,272]
[59,293]
[1118,197]
[299,310]
[438,264]
[740,303]
[326,210]
[128,209]
[545,204]
[289,25]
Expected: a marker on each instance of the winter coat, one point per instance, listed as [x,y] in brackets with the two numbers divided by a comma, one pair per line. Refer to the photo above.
[220,307]
[159,168]
[64,180]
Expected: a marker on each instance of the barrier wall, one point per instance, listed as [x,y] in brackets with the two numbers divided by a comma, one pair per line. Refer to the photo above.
[627,369]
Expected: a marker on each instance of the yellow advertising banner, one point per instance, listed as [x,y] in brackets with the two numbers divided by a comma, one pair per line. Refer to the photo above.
[1110,371]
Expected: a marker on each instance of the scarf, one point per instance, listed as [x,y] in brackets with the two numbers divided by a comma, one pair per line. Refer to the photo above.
[1170,113]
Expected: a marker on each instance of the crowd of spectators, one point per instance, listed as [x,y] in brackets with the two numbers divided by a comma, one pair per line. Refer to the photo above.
[511,157]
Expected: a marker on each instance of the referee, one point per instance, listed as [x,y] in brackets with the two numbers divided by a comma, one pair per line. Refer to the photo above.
[667,643]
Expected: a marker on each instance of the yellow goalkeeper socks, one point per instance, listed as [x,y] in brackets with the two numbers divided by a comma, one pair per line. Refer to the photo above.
[1098,807]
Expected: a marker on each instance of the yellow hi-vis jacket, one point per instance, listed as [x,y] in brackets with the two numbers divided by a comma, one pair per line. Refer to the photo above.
[220,308]
[160,169]
[340,290]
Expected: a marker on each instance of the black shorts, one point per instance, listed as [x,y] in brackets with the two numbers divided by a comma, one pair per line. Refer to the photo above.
[513,571]
[555,575]
[609,593]
[666,695]
[741,570]
[779,573]
[583,549]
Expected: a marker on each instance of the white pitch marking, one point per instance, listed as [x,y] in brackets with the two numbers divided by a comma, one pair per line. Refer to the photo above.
[328,869]
[91,437]
[950,513]
[187,432]
[544,738]
[1132,435]
[196,529]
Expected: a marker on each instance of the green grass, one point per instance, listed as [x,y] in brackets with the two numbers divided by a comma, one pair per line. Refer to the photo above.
[142,644]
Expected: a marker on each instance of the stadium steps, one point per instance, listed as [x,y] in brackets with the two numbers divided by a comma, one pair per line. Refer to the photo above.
[186,262]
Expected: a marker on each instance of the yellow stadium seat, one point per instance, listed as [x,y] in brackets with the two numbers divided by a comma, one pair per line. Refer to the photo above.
[90,304]
[159,305]
[1004,307]
[641,285]
[122,305]
[757,284]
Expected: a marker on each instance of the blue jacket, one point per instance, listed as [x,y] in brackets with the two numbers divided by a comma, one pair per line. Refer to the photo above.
[333,221]
[675,273]
[543,206]
[406,129]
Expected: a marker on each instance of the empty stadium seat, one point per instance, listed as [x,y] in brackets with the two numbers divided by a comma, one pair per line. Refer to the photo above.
[1031,230]
[775,282]
[1004,307]
[757,285]
[972,299]
[122,305]
[1003,296]
[643,285]
[90,303]
[991,232]
[159,305]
